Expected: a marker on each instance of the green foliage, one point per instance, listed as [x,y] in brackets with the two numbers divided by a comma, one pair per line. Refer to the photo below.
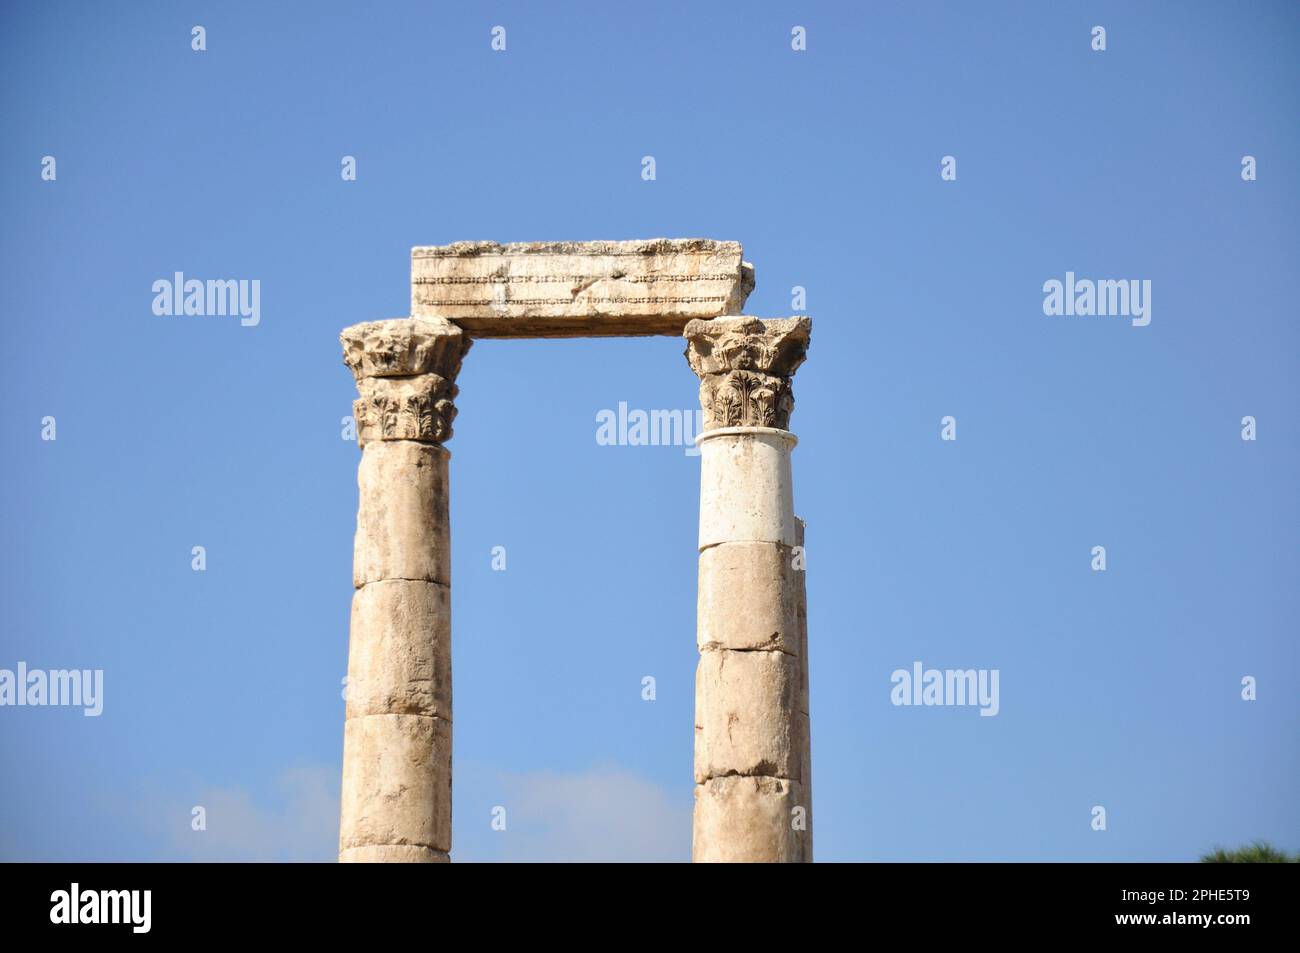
[1260,852]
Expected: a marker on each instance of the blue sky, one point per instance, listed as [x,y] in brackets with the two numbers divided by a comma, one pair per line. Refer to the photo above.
[222,688]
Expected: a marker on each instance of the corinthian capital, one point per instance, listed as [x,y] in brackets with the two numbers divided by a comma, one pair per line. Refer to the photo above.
[403,347]
[406,375]
[745,366]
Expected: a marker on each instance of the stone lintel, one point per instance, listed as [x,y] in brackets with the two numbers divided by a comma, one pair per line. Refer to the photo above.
[579,289]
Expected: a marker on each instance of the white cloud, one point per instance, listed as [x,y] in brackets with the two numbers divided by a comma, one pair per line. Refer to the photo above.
[298,822]
[605,814]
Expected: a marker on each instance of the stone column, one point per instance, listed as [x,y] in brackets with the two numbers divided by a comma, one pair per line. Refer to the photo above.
[752,766]
[396,802]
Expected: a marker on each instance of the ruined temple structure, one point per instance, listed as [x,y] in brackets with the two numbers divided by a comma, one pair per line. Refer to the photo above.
[753,779]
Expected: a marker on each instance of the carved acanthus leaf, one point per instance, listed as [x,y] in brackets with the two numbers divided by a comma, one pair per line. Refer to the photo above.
[405,408]
[402,347]
[745,366]
[405,370]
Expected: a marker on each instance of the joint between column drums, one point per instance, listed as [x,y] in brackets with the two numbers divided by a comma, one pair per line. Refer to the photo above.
[719,647]
[748,432]
[428,847]
[446,720]
[788,547]
[376,582]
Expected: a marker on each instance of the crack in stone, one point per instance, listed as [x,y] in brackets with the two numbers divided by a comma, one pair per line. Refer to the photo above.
[771,646]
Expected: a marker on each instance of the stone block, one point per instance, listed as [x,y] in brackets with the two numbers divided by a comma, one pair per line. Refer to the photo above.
[402,519]
[579,289]
[396,782]
[399,651]
[749,598]
[749,820]
[747,709]
[746,489]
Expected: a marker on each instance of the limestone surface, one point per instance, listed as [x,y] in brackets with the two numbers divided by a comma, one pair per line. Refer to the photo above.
[402,516]
[746,489]
[750,820]
[396,802]
[404,347]
[392,854]
[747,715]
[399,655]
[801,591]
[588,289]
[396,782]
[752,746]
[749,598]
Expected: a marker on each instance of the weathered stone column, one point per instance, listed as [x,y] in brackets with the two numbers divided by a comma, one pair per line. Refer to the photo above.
[752,766]
[396,802]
